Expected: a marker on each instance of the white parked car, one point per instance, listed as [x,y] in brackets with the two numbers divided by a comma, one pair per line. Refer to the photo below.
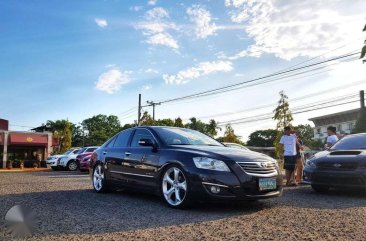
[52,161]
[68,162]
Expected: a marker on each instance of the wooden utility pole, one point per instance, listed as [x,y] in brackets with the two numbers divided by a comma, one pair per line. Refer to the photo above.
[153,104]
[139,111]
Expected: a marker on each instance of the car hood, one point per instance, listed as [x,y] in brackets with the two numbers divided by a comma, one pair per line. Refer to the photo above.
[344,155]
[224,153]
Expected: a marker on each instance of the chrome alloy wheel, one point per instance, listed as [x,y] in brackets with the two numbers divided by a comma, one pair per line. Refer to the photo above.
[174,186]
[73,166]
[98,177]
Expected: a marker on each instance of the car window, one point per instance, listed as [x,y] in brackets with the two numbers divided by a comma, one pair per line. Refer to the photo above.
[141,134]
[91,149]
[82,150]
[351,143]
[75,151]
[182,136]
[122,138]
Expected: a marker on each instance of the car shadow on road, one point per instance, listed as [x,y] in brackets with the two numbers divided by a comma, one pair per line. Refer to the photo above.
[306,197]
[85,212]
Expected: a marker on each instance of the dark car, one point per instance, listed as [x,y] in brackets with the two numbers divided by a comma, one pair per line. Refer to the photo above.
[342,166]
[183,166]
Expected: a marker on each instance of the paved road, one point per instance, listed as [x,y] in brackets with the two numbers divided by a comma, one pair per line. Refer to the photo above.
[69,210]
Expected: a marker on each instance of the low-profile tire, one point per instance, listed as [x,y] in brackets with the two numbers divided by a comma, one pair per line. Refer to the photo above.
[54,168]
[72,166]
[175,187]
[99,181]
[320,188]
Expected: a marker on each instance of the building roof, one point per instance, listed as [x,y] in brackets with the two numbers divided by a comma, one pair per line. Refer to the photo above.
[344,116]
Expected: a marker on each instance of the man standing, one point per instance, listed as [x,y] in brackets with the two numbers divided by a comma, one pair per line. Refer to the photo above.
[332,136]
[288,145]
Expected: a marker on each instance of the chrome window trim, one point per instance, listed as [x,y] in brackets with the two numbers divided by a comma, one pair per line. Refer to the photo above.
[132,174]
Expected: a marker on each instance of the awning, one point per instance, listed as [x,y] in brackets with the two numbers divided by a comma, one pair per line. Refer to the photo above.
[28,139]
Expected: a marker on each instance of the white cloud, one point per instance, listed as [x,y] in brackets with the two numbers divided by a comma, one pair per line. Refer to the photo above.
[289,29]
[152,2]
[156,27]
[204,26]
[136,8]
[101,22]
[146,87]
[201,69]
[112,80]
[150,70]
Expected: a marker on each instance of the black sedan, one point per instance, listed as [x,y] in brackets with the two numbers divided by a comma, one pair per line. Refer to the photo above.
[182,166]
[342,166]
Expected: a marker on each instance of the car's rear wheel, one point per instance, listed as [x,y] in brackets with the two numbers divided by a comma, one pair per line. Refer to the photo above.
[175,187]
[320,188]
[72,166]
[98,178]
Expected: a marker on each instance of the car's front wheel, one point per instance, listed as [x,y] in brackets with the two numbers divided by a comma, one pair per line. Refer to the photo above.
[98,178]
[72,166]
[320,188]
[175,187]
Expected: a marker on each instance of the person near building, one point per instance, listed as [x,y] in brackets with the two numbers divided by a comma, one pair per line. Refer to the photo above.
[332,136]
[288,144]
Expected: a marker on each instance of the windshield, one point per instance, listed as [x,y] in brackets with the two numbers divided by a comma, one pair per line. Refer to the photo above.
[351,143]
[81,150]
[68,152]
[180,136]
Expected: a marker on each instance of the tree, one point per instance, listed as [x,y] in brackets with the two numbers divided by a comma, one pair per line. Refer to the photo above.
[363,51]
[62,131]
[164,122]
[229,135]
[146,119]
[100,128]
[195,124]
[263,138]
[283,116]
[360,126]
[306,133]
[78,135]
[178,122]
[211,128]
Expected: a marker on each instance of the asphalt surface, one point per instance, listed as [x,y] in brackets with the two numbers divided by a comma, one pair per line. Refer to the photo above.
[68,209]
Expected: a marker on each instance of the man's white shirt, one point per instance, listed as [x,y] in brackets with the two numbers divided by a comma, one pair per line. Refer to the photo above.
[332,139]
[289,145]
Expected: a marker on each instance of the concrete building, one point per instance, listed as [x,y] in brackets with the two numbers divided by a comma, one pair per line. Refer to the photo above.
[28,148]
[344,122]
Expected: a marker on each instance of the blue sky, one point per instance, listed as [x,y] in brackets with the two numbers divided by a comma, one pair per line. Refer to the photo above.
[75,59]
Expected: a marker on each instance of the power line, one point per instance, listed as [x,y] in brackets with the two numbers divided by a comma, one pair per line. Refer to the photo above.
[196,95]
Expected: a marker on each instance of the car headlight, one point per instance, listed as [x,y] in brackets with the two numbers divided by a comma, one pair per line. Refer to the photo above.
[310,163]
[210,164]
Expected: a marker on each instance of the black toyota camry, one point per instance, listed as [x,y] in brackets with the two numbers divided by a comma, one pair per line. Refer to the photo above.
[182,166]
[343,166]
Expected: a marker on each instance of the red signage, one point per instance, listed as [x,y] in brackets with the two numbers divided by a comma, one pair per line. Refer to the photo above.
[1,139]
[28,139]
[4,124]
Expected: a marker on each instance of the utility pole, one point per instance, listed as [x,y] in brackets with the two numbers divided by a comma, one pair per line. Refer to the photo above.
[139,111]
[153,104]
[362,99]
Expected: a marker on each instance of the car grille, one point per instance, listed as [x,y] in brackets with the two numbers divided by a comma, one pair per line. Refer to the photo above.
[261,169]
[351,181]
[337,165]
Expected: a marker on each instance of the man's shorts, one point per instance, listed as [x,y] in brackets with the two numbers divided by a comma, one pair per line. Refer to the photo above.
[290,162]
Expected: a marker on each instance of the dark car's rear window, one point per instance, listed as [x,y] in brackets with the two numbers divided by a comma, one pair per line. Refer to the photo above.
[355,142]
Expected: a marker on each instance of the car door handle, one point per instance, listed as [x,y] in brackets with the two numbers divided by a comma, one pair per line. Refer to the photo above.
[104,152]
[127,153]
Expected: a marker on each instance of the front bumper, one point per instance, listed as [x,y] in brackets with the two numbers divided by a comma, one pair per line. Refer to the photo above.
[232,186]
[340,178]
[51,163]
[84,166]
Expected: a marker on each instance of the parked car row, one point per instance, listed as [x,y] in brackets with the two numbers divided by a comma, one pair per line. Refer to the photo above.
[72,160]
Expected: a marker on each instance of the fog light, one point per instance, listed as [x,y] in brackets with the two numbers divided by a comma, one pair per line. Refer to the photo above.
[215,189]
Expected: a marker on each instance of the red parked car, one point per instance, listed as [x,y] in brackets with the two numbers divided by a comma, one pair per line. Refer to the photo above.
[83,159]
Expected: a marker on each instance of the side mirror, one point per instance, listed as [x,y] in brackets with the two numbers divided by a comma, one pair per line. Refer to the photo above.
[146,142]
